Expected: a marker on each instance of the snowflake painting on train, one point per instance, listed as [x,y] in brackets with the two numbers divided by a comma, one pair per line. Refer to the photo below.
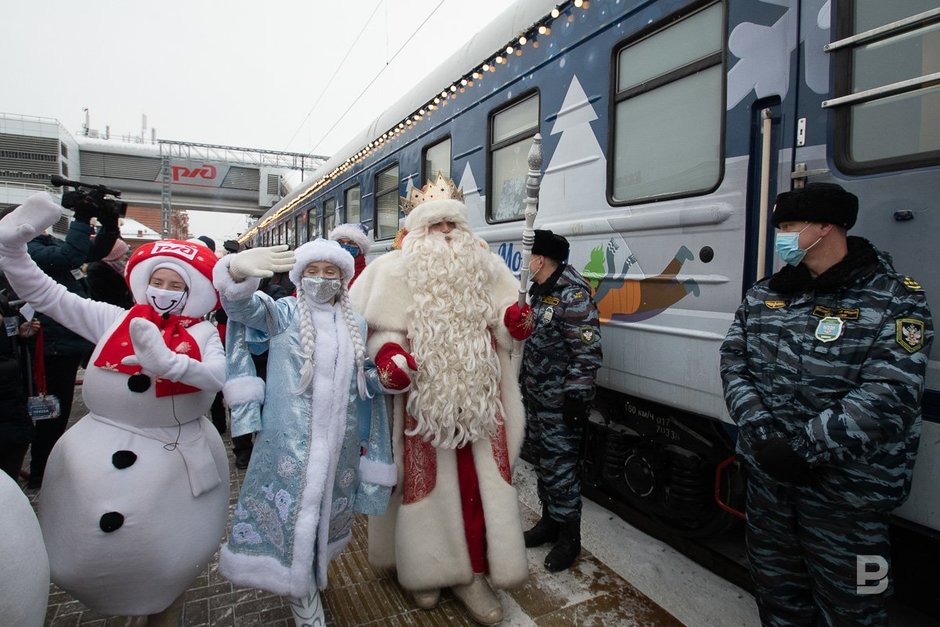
[635,299]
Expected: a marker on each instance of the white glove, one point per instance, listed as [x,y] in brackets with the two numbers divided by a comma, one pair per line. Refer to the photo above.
[151,352]
[35,215]
[261,262]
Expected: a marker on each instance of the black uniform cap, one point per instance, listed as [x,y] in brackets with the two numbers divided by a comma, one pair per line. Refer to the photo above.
[817,202]
[550,245]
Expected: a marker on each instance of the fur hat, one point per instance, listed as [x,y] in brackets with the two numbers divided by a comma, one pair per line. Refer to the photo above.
[191,261]
[434,211]
[817,202]
[322,250]
[550,245]
[354,232]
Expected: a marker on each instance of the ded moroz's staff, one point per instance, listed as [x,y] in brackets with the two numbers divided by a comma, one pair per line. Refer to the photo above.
[532,183]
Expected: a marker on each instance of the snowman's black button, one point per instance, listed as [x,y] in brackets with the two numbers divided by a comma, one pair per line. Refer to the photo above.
[123,459]
[138,383]
[111,521]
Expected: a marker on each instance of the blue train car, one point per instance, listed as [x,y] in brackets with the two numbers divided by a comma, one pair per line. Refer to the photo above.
[668,128]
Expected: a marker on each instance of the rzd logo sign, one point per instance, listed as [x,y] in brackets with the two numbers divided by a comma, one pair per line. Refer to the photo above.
[204,172]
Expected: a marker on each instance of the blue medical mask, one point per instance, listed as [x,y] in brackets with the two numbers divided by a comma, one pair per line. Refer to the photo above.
[787,247]
[352,249]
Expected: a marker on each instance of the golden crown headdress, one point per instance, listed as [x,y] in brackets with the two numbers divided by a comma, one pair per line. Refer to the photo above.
[441,187]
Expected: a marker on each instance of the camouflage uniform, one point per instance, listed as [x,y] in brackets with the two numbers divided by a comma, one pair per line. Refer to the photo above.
[836,365]
[560,360]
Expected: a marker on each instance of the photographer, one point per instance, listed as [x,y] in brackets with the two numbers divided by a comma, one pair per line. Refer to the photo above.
[63,350]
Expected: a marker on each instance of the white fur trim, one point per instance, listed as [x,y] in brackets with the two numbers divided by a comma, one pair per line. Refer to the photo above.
[241,390]
[202,297]
[255,571]
[322,250]
[378,473]
[313,520]
[434,211]
[353,233]
[227,286]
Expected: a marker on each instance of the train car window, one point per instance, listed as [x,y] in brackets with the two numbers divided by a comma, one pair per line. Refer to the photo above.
[668,111]
[289,233]
[280,233]
[353,212]
[298,231]
[329,215]
[436,159]
[386,203]
[313,227]
[887,100]
[511,132]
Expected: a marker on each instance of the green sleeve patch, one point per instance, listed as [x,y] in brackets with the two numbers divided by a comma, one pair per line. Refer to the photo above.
[589,335]
[910,334]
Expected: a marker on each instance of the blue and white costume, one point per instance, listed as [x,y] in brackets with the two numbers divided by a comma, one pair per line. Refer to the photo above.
[307,475]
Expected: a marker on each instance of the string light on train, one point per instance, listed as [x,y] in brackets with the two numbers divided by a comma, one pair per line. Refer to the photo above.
[540,29]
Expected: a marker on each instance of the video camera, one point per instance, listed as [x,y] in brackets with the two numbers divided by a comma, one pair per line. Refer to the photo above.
[96,200]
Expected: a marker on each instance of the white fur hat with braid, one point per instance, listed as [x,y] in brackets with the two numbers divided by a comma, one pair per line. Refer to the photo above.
[322,250]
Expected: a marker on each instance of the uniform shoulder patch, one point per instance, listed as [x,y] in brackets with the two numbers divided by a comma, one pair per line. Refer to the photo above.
[912,285]
[589,335]
[775,304]
[575,296]
[910,334]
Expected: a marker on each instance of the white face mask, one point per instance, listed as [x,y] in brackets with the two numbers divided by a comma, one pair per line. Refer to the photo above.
[166,301]
[321,289]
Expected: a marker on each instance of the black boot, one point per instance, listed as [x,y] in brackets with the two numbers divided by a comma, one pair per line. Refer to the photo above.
[545,530]
[566,550]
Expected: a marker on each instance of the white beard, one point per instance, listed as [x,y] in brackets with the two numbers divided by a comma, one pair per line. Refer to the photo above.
[455,394]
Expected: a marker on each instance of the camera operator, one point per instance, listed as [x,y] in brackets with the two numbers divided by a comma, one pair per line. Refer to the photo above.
[63,350]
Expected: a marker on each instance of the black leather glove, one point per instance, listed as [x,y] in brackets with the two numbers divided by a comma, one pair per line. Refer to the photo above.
[575,411]
[108,218]
[777,458]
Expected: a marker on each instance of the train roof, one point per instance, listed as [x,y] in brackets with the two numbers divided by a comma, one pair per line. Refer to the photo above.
[484,45]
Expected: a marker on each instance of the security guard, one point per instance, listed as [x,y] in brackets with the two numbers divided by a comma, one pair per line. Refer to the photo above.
[559,365]
[823,371]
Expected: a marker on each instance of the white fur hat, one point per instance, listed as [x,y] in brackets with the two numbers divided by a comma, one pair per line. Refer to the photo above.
[434,211]
[356,233]
[193,262]
[322,250]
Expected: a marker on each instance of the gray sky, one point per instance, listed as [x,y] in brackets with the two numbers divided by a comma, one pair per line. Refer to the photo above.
[234,72]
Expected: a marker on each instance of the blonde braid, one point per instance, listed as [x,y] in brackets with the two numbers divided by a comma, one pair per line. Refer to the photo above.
[358,343]
[308,338]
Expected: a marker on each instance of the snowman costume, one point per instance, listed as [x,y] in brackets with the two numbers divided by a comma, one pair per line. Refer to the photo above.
[24,570]
[135,494]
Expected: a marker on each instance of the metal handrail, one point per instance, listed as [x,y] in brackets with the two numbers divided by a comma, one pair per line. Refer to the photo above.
[884,90]
[887,29]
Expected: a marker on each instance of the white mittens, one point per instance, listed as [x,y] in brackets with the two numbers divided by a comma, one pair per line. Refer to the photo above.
[261,262]
[35,215]
[151,352]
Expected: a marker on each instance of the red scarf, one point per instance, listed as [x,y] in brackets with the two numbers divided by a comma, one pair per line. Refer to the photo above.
[360,265]
[177,338]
